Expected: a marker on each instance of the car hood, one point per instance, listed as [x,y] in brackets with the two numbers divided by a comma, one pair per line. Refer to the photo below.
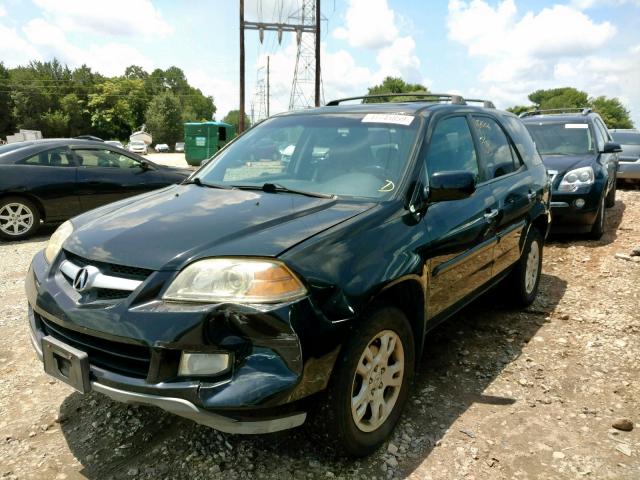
[165,229]
[564,163]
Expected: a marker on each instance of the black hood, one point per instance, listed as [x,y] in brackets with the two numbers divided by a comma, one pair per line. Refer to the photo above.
[564,163]
[167,228]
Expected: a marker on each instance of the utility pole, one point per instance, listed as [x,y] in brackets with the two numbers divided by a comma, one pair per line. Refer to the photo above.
[317,82]
[241,110]
[268,98]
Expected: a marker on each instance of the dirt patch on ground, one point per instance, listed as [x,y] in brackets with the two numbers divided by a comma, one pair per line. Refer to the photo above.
[499,394]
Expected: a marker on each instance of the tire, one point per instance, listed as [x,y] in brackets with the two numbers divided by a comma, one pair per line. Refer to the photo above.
[335,417]
[524,280]
[19,218]
[597,230]
[611,196]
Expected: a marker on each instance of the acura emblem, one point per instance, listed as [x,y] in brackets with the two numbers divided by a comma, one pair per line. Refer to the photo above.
[84,278]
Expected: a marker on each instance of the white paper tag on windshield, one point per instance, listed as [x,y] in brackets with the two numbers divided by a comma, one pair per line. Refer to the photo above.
[388,118]
[576,125]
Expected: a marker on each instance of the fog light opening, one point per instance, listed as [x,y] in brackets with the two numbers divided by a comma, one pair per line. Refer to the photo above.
[579,203]
[202,363]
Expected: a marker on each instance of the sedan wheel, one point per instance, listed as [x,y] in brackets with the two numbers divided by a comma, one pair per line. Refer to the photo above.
[18,219]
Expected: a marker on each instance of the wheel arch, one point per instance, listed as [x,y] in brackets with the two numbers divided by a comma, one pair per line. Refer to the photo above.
[32,198]
[408,294]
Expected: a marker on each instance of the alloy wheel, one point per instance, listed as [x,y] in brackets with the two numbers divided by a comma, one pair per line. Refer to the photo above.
[533,266]
[377,381]
[15,219]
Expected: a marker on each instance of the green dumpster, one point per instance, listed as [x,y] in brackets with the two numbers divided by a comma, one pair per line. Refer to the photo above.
[203,139]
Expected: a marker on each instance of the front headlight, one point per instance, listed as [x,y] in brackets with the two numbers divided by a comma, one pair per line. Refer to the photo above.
[238,280]
[57,239]
[577,178]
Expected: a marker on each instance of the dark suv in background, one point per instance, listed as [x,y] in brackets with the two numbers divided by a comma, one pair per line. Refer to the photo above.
[582,161]
[313,253]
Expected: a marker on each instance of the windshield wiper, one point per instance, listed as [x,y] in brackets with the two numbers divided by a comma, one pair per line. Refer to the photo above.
[276,187]
[200,183]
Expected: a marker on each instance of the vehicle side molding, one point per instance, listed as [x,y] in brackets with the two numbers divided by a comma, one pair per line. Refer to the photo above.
[451,185]
[612,147]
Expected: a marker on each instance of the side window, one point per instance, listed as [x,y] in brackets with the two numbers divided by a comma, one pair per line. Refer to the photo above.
[496,151]
[451,147]
[522,138]
[603,130]
[57,157]
[104,158]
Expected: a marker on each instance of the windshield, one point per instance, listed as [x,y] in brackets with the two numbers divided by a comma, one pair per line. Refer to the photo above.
[626,138]
[347,154]
[562,138]
[137,144]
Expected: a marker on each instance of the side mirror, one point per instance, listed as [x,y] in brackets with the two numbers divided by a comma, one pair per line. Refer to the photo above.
[145,166]
[451,185]
[612,147]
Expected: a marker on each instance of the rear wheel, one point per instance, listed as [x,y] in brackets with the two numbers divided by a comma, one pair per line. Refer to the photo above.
[597,230]
[525,278]
[611,196]
[370,385]
[19,218]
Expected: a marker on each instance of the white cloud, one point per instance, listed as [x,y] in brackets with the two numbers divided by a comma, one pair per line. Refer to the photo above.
[586,4]
[399,60]
[115,17]
[369,24]
[555,47]
[46,40]
[14,50]
[3,11]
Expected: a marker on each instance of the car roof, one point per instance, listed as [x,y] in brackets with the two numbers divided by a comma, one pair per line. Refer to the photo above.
[559,118]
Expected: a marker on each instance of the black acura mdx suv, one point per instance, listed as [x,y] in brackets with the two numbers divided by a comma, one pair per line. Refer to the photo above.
[312,254]
[582,161]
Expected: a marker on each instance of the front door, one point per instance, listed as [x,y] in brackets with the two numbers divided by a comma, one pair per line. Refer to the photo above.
[461,233]
[105,176]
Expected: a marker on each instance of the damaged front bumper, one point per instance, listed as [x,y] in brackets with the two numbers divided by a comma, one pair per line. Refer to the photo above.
[134,348]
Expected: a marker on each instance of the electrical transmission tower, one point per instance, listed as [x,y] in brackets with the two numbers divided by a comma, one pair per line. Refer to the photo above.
[305,89]
[309,24]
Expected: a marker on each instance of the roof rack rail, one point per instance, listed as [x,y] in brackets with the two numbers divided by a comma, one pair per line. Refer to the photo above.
[485,103]
[556,111]
[439,97]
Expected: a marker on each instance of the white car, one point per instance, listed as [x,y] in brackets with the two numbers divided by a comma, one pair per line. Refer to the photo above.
[136,146]
[161,147]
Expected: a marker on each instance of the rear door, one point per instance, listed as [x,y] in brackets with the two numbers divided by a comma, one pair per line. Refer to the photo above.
[511,187]
[106,175]
[461,232]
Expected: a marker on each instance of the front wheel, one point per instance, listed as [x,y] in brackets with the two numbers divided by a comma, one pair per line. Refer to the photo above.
[597,230]
[611,196]
[370,385]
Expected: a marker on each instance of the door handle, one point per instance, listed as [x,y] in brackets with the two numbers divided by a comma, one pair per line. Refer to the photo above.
[491,214]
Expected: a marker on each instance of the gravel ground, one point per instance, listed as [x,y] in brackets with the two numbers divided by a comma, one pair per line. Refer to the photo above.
[499,394]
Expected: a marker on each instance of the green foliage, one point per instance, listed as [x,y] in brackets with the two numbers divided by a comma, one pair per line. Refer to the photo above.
[50,97]
[612,112]
[164,118]
[233,117]
[396,85]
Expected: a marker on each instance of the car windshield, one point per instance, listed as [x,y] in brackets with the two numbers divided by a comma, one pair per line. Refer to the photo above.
[562,138]
[353,155]
[137,144]
[626,138]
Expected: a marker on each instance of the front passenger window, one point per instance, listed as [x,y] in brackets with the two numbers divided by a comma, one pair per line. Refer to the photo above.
[451,147]
[495,148]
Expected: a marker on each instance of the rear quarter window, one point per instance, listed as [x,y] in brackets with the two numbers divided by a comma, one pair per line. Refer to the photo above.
[522,138]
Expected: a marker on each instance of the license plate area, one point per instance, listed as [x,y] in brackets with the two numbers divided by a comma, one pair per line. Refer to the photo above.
[66,363]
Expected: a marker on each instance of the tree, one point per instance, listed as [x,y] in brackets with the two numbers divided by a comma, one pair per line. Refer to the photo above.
[164,118]
[612,112]
[518,109]
[233,117]
[397,85]
[565,97]
[116,107]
